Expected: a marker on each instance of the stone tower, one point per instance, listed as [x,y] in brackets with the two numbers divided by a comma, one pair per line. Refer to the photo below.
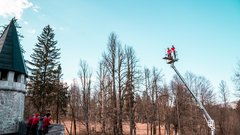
[12,81]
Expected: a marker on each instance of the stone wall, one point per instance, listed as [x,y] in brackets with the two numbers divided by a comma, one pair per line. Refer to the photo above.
[11,110]
[56,129]
[11,102]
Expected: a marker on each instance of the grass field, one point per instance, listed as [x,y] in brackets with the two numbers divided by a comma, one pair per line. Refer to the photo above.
[141,129]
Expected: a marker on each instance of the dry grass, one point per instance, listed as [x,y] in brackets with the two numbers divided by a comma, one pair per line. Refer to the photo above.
[141,129]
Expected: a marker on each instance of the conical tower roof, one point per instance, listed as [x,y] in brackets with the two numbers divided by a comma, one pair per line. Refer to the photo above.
[11,57]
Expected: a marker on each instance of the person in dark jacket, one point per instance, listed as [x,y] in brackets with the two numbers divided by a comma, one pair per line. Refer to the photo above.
[173,51]
[40,126]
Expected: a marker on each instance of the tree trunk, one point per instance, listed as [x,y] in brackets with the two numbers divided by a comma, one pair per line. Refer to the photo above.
[147,127]
[74,122]
[71,128]
[159,128]
[57,113]
[178,115]
[120,116]
[103,113]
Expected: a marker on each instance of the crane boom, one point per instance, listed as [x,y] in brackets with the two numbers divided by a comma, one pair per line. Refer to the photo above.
[171,60]
[210,121]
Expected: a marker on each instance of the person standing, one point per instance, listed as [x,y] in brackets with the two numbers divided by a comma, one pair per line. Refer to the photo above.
[169,53]
[40,126]
[46,123]
[35,124]
[29,124]
[174,51]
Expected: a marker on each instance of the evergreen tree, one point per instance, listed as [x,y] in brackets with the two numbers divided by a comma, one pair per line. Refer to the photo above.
[59,96]
[44,64]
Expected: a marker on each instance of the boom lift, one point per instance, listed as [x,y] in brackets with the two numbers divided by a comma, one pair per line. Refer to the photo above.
[171,60]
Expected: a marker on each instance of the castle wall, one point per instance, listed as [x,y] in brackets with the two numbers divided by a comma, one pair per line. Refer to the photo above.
[11,103]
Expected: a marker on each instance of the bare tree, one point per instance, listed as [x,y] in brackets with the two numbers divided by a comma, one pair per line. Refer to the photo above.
[110,59]
[224,93]
[238,115]
[177,90]
[121,74]
[133,76]
[146,96]
[74,93]
[155,91]
[223,119]
[162,101]
[94,107]
[236,79]
[152,99]
[195,116]
[103,81]
[85,81]
[166,109]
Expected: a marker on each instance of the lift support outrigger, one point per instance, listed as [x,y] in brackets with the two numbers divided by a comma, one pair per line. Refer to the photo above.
[171,60]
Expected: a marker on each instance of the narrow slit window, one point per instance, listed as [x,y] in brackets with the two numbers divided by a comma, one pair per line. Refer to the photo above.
[4,75]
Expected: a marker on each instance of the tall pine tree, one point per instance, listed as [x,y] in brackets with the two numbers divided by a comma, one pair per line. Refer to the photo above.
[59,96]
[44,64]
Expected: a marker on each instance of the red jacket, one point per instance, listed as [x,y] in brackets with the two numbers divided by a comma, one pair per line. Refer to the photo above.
[169,51]
[46,121]
[30,120]
[35,121]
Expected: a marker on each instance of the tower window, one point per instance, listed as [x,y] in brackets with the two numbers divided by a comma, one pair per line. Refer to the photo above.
[4,75]
[17,77]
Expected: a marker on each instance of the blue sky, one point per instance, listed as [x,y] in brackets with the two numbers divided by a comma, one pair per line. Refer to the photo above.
[205,33]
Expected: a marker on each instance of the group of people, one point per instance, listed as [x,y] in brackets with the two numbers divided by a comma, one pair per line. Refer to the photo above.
[38,125]
[170,51]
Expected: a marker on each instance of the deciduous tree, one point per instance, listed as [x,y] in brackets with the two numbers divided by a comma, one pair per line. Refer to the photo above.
[85,82]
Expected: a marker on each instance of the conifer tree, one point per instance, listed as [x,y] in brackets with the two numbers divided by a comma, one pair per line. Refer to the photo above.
[44,64]
[59,96]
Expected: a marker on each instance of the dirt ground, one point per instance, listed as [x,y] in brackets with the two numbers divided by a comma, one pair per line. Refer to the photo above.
[141,129]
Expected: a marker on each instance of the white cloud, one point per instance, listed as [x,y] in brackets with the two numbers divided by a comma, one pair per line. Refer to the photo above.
[13,8]
[36,8]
